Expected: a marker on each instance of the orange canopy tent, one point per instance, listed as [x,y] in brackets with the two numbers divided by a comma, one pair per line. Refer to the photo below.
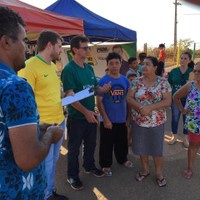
[37,20]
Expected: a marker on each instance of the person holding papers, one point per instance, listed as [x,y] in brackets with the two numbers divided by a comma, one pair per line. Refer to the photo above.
[82,119]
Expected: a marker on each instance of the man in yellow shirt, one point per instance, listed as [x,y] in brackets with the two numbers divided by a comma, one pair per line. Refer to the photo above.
[41,73]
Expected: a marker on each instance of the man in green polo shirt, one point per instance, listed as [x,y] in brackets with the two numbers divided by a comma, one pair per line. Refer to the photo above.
[82,119]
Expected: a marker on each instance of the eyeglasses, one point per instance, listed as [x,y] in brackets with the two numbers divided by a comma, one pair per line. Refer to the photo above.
[84,48]
[195,70]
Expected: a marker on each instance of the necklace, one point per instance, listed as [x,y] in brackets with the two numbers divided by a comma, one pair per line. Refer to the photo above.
[150,82]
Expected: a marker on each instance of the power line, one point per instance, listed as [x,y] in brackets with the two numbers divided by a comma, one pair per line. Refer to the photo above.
[190,14]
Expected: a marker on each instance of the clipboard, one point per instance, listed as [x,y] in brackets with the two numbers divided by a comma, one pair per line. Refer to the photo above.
[78,96]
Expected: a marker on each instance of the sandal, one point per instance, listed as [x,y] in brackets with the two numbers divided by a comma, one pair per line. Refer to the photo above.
[187,174]
[140,177]
[128,164]
[107,171]
[161,182]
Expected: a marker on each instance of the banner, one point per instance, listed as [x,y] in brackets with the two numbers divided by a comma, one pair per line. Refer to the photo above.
[99,52]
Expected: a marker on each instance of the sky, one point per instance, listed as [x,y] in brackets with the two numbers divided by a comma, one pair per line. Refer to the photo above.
[153,20]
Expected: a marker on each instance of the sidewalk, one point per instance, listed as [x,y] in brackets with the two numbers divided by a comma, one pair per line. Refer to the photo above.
[123,186]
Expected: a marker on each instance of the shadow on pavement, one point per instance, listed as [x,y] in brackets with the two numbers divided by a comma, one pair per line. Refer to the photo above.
[123,186]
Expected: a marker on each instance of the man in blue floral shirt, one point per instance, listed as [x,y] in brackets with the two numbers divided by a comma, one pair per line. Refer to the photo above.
[23,143]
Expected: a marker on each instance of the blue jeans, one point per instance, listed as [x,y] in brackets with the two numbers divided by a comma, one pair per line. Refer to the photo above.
[50,165]
[80,130]
[175,118]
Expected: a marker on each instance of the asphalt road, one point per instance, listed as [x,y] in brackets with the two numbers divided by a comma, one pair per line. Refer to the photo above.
[123,186]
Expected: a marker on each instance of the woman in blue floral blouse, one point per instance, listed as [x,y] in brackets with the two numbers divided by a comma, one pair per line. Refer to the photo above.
[191,90]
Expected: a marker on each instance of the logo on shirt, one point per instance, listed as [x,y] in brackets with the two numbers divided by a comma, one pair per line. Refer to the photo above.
[27,181]
[117,93]
[45,75]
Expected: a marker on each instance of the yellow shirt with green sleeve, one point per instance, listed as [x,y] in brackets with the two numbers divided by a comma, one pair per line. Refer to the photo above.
[46,85]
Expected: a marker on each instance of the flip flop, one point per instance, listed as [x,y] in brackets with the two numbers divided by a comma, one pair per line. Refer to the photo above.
[187,174]
[161,182]
[140,177]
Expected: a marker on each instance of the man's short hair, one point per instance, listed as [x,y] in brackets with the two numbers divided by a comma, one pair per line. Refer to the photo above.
[142,56]
[76,40]
[131,75]
[113,55]
[45,37]
[9,22]
[161,46]
[131,59]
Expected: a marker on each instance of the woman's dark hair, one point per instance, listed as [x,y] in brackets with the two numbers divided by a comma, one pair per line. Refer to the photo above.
[153,59]
[191,64]
[187,53]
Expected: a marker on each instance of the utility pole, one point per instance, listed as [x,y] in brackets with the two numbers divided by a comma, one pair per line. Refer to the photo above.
[175,29]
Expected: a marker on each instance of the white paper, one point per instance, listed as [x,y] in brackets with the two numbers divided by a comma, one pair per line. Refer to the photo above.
[77,97]
[65,130]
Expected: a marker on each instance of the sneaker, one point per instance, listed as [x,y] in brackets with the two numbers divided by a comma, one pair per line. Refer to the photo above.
[75,183]
[128,164]
[56,196]
[96,172]
[173,140]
